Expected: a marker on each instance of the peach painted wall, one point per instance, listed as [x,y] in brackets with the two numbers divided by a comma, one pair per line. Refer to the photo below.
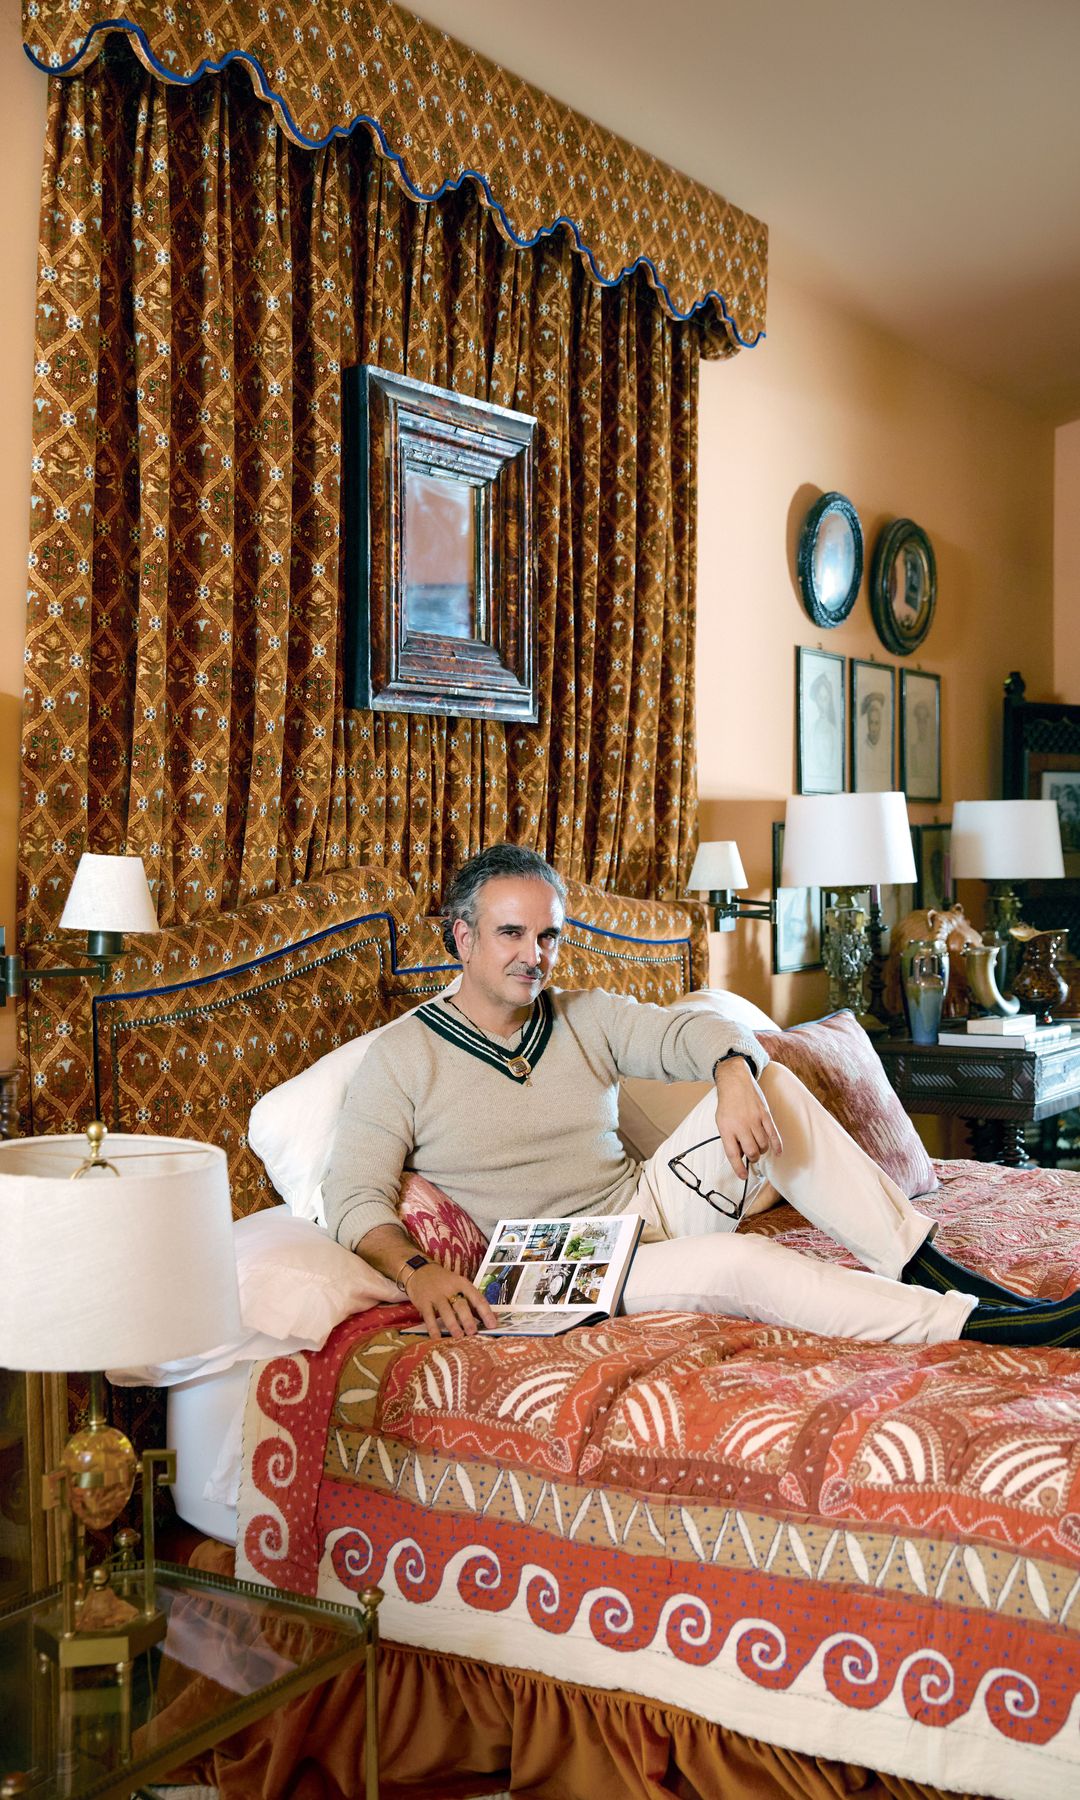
[1067,564]
[829,402]
[22,108]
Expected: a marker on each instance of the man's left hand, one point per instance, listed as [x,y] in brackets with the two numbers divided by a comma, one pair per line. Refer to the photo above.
[746,1126]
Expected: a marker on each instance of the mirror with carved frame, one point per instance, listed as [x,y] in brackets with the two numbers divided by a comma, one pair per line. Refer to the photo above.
[439,551]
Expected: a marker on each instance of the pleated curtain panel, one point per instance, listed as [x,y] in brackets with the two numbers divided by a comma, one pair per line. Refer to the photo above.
[234,209]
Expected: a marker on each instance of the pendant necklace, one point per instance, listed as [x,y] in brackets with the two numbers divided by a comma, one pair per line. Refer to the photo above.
[519,1066]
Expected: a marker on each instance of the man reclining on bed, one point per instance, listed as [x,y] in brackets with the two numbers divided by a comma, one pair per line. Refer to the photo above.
[506,1096]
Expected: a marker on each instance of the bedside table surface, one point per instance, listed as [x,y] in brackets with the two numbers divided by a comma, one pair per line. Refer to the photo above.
[982,1079]
[232,1653]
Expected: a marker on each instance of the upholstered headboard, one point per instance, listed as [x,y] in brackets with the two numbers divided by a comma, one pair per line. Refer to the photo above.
[207,1017]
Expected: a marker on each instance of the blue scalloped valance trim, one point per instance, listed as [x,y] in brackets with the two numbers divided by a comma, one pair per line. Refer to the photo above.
[268,93]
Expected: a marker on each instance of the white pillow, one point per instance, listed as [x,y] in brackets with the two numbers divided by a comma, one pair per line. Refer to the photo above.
[291,1128]
[650,1110]
[295,1285]
[730,1006]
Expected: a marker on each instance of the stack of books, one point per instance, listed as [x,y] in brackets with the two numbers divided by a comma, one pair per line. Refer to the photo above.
[1018,1031]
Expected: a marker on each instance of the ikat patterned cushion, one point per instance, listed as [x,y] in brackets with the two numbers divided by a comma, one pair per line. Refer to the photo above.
[836,1060]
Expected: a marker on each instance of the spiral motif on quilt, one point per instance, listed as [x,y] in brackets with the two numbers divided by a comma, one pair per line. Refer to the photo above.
[266,1540]
[410,1566]
[284,1382]
[1012,1697]
[353,1557]
[612,1619]
[762,1654]
[692,1632]
[543,1600]
[852,1671]
[928,1681]
[482,1579]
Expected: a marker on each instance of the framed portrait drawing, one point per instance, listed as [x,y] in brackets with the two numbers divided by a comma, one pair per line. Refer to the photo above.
[920,735]
[933,865]
[830,560]
[819,721]
[873,727]
[1062,786]
[440,551]
[903,586]
[796,932]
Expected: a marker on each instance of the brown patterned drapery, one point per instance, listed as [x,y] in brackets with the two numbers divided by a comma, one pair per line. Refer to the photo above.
[442,112]
[203,282]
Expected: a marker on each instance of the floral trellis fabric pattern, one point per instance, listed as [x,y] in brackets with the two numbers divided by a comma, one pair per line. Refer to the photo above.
[202,284]
[442,111]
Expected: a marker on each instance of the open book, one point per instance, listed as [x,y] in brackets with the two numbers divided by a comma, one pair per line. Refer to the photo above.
[544,1276]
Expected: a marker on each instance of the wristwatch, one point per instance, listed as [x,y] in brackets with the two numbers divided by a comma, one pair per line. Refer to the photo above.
[728,1056]
[411,1262]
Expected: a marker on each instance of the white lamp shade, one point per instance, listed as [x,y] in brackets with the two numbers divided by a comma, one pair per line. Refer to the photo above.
[846,840]
[114,1271]
[109,893]
[717,866]
[1006,840]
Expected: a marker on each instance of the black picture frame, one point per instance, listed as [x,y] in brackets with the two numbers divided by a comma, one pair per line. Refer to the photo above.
[920,734]
[1042,738]
[872,710]
[819,721]
[829,562]
[903,586]
[798,919]
[933,865]
[440,551]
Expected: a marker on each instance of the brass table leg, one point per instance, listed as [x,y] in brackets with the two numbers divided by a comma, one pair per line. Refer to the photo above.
[369,1613]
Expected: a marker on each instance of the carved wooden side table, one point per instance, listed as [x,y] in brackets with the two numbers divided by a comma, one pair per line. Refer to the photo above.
[995,1091]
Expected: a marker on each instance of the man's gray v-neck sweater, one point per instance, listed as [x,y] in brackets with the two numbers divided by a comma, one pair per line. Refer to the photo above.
[548,1148]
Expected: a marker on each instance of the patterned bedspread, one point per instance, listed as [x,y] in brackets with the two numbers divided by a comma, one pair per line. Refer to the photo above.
[846,1548]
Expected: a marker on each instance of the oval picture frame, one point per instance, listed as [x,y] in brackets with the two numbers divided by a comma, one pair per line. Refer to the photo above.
[830,560]
[903,586]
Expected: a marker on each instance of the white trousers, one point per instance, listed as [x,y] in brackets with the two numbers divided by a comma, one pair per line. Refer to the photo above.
[694,1259]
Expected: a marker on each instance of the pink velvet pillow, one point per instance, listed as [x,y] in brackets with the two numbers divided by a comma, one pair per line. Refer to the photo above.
[836,1060]
[443,1230]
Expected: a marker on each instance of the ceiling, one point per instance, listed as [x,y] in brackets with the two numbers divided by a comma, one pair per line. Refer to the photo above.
[916,161]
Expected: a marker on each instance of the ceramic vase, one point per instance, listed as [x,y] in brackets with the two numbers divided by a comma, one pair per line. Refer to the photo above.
[1039,984]
[924,976]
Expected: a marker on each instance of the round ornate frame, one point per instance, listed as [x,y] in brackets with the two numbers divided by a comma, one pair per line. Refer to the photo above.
[830,506]
[902,631]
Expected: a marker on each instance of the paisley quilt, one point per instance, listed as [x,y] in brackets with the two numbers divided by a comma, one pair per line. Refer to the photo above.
[844,1548]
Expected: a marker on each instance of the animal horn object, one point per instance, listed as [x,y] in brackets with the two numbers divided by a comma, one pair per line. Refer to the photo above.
[980,974]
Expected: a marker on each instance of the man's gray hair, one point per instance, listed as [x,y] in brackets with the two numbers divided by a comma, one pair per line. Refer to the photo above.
[498,860]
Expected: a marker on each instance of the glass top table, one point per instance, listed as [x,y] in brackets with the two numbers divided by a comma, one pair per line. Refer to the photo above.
[232,1653]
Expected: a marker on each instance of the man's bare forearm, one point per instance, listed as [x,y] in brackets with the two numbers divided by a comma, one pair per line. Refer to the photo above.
[386,1249]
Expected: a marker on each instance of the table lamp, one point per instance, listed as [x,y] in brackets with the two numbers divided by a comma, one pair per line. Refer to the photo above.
[1003,841]
[717,871]
[845,844]
[114,1256]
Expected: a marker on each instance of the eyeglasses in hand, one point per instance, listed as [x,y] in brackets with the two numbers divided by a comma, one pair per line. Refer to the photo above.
[721,1203]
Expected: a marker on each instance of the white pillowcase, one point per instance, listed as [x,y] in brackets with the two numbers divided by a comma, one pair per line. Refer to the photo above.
[291,1128]
[650,1110]
[295,1285]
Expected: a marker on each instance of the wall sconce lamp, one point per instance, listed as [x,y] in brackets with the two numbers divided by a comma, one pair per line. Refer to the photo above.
[109,896]
[717,871]
[845,844]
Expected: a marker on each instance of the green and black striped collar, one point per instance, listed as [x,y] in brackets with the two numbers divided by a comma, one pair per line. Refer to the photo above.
[457,1029]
